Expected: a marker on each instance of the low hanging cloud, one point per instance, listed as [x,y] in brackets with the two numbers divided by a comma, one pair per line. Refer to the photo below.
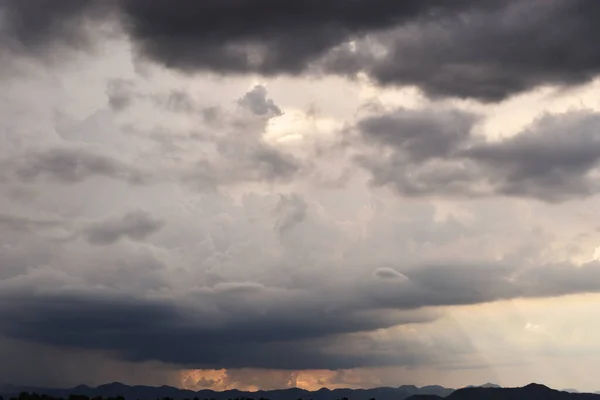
[435,151]
[205,328]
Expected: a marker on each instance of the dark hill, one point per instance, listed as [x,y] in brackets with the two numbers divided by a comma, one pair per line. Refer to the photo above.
[531,391]
[117,389]
[408,392]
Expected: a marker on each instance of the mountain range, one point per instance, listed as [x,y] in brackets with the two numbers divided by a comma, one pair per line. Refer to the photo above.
[532,391]
[406,392]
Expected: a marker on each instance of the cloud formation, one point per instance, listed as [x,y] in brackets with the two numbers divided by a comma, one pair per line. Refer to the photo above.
[224,306]
[257,102]
[181,220]
[436,151]
[257,36]
[487,51]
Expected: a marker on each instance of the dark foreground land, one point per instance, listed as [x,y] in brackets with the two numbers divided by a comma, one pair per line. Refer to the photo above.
[117,391]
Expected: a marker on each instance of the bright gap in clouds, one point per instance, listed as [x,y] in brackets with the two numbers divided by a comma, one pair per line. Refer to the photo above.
[296,125]
[596,255]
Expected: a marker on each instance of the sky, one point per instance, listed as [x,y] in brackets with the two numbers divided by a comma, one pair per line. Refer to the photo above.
[268,194]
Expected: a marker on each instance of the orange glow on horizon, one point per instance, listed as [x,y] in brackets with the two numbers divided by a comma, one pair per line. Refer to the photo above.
[256,379]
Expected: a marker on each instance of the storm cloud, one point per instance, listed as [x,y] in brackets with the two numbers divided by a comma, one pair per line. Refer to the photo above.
[268,37]
[207,327]
[351,184]
[483,50]
[436,151]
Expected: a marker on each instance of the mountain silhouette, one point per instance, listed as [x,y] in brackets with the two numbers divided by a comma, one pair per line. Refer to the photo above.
[487,391]
[532,391]
[116,389]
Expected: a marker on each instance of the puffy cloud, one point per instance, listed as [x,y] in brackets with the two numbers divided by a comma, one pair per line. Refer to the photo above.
[257,102]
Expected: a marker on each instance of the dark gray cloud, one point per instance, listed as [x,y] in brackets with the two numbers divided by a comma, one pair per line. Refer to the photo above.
[257,102]
[69,165]
[43,29]
[484,50]
[258,36]
[428,152]
[235,325]
[557,157]
[492,53]
[135,225]
[422,134]
[229,335]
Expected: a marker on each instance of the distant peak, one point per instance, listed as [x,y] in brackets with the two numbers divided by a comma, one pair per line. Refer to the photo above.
[537,386]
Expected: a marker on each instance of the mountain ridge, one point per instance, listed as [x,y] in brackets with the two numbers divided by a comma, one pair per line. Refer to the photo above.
[141,392]
[487,391]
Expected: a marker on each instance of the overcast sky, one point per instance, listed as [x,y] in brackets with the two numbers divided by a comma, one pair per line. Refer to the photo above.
[267,193]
